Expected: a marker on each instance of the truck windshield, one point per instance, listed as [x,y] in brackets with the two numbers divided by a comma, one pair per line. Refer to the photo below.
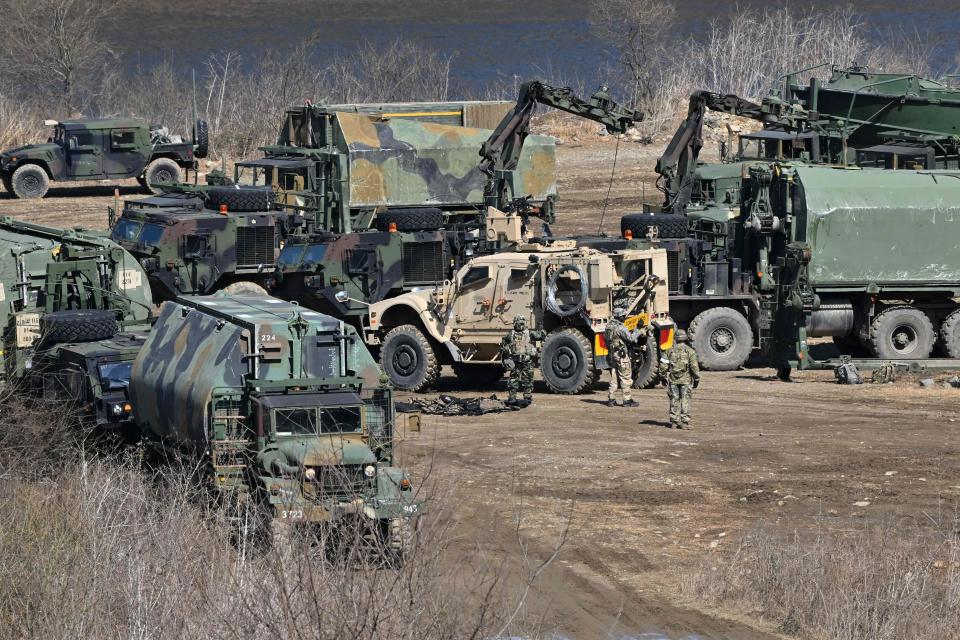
[296,422]
[151,234]
[290,256]
[340,420]
[126,231]
[115,375]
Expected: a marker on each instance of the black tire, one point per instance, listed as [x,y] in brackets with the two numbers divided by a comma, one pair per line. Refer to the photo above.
[77,326]
[901,333]
[567,362]
[240,198]
[477,376]
[162,172]
[29,181]
[645,363]
[668,225]
[201,139]
[722,338]
[408,359]
[950,335]
[245,288]
[413,219]
[850,346]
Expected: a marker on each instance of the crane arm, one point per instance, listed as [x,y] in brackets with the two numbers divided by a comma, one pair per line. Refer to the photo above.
[501,152]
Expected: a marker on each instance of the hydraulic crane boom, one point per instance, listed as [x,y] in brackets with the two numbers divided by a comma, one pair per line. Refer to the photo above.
[501,152]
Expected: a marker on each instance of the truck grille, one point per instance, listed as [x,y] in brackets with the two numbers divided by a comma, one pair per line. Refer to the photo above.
[255,246]
[342,482]
[673,272]
[423,263]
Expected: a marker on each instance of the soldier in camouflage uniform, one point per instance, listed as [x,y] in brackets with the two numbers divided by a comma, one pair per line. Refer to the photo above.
[518,353]
[679,367]
[619,339]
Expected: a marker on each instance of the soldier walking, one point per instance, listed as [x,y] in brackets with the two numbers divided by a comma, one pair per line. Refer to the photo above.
[679,367]
[518,353]
[618,339]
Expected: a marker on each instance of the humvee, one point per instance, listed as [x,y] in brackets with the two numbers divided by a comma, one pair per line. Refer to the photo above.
[101,149]
[566,291]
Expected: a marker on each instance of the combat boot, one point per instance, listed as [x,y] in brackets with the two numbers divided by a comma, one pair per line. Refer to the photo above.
[611,402]
[631,403]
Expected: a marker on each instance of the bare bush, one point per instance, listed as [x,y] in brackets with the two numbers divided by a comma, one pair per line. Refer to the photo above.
[885,582]
[96,549]
[55,48]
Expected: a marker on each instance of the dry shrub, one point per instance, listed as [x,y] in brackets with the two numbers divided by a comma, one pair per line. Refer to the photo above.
[885,582]
[94,548]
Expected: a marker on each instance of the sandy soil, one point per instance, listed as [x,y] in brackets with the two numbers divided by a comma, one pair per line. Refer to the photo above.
[647,506]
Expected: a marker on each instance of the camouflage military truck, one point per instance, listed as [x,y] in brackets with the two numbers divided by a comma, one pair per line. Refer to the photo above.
[219,238]
[567,292]
[352,171]
[343,274]
[99,150]
[285,408]
[87,375]
[44,270]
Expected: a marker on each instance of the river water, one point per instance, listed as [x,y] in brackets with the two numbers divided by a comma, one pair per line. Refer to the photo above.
[491,40]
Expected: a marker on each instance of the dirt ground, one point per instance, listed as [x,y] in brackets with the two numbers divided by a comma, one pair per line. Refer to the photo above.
[645,507]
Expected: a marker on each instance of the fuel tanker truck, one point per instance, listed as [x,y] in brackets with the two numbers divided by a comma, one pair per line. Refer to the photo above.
[284,409]
[868,257]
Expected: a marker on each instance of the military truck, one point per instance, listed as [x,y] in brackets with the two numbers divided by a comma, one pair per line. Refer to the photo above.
[115,148]
[45,270]
[283,406]
[866,256]
[566,291]
[888,120]
[221,238]
[87,373]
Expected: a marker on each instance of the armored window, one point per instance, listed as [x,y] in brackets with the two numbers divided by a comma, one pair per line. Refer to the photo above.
[296,422]
[123,139]
[290,255]
[115,375]
[474,275]
[340,420]
[194,246]
[151,234]
[82,138]
[126,231]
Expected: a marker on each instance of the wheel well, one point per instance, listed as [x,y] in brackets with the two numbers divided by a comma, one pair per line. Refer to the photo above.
[39,163]
[402,314]
[169,155]
[684,313]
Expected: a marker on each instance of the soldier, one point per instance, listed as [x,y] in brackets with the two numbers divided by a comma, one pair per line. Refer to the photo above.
[618,339]
[680,369]
[518,353]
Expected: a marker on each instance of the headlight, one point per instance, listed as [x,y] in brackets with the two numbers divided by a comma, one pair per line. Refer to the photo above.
[310,474]
[369,471]
[117,409]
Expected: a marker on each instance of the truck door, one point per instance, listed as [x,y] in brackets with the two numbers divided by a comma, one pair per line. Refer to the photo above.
[123,157]
[514,294]
[84,154]
[472,306]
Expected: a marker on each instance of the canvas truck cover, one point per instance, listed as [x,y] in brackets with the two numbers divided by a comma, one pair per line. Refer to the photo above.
[881,227]
[482,114]
[401,162]
[200,345]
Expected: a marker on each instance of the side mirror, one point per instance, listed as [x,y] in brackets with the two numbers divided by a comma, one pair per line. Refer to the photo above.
[73,142]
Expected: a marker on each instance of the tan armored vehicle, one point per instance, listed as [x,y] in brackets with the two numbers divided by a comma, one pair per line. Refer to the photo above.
[567,292]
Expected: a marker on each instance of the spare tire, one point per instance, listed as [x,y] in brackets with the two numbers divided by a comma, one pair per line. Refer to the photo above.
[85,325]
[201,139]
[668,225]
[553,305]
[412,219]
[240,198]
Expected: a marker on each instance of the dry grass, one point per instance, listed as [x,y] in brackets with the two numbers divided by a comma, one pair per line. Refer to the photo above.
[891,581]
[93,548]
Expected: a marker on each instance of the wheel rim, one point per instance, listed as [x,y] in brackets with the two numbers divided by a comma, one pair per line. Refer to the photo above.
[163,176]
[30,184]
[903,339]
[405,360]
[722,340]
[565,363]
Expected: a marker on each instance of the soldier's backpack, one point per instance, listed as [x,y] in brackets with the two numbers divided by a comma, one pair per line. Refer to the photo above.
[884,374]
[847,373]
